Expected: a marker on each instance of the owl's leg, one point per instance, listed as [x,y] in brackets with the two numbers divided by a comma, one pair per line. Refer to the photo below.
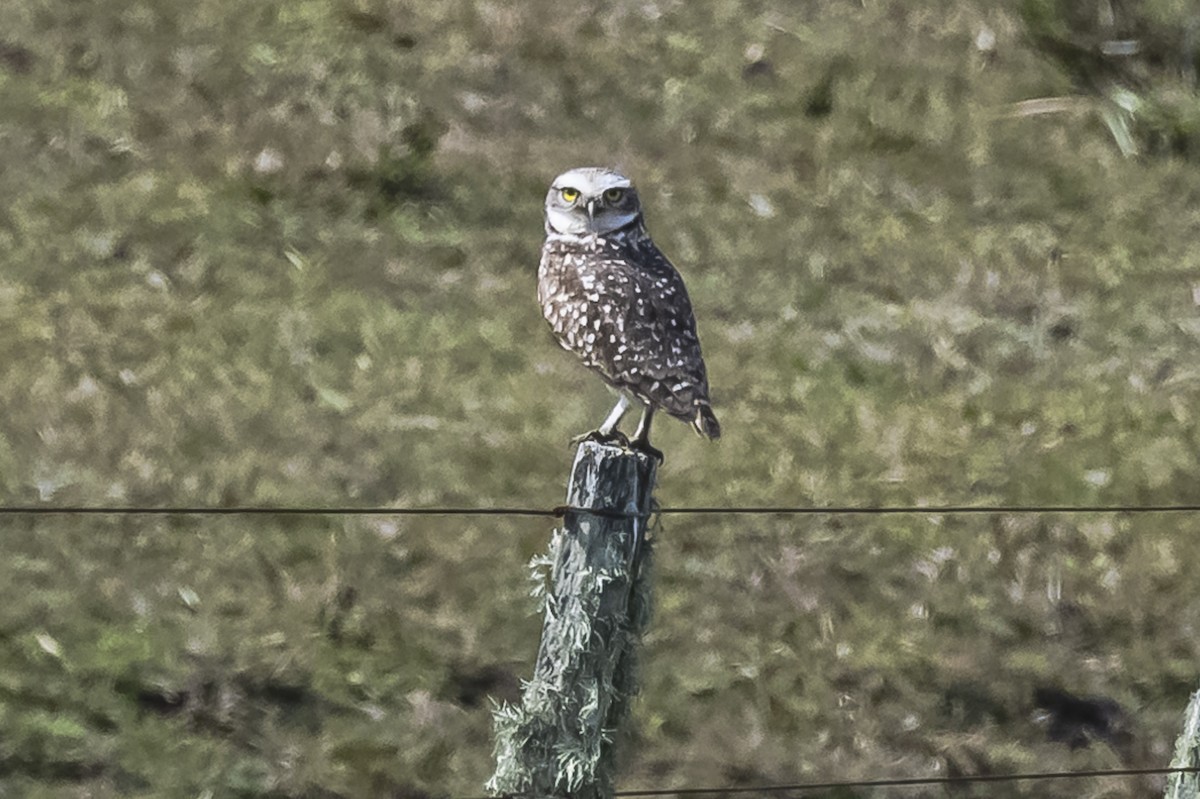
[614,417]
[641,438]
[608,432]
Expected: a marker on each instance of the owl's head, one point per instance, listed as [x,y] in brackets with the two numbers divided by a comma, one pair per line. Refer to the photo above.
[591,201]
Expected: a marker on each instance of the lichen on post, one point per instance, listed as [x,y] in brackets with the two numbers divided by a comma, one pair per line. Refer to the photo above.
[560,740]
[1186,785]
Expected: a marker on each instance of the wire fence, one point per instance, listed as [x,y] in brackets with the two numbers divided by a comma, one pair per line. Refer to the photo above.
[902,782]
[560,511]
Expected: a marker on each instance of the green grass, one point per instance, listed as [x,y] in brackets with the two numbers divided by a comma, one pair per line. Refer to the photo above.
[284,252]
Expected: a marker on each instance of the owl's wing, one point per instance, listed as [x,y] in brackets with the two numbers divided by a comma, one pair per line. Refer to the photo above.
[667,368]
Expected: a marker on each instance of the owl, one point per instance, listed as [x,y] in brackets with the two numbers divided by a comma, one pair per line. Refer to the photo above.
[614,299]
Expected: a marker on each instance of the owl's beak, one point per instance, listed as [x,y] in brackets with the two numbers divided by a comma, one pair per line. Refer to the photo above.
[591,209]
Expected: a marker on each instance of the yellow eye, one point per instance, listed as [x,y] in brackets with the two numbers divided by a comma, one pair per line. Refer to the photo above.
[613,195]
[569,195]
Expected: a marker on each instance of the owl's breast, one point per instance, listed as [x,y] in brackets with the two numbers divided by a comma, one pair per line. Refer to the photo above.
[583,292]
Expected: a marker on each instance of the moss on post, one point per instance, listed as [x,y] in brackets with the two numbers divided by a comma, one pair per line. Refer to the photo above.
[559,741]
[1186,785]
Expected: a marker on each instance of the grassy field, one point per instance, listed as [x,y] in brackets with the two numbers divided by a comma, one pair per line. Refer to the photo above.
[284,252]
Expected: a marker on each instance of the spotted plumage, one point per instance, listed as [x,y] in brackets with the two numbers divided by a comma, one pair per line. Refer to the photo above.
[614,299]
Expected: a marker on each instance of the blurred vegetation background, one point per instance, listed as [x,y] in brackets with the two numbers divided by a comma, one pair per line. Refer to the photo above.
[283,252]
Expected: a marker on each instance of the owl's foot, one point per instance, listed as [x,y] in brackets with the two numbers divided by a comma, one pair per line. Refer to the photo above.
[601,437]
[641,438]
[642,445]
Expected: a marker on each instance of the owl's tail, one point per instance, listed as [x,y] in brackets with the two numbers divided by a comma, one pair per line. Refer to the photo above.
[706,423]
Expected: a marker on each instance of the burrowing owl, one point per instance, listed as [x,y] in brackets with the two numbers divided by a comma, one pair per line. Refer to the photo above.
[615,300]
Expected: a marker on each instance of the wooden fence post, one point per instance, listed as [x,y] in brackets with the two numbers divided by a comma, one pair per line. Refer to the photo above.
[1186,785]
[559,742]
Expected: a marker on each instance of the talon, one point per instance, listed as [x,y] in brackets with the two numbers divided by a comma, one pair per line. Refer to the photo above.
[600,437]
[642,445]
